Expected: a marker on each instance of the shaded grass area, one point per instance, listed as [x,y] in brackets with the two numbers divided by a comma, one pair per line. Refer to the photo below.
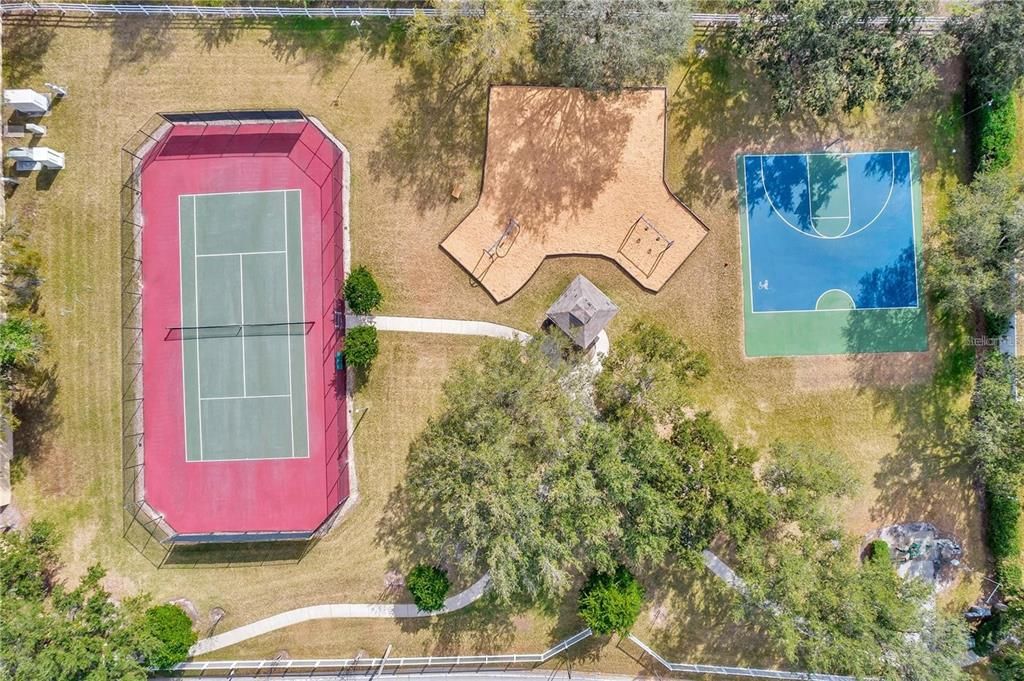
[412,138]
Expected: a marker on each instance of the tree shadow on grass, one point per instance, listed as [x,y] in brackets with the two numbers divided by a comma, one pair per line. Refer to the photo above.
[36,411]
[437,135]
[25,44]
[139,40]
[717,111]
[926,476]
[691,617]
[323,42]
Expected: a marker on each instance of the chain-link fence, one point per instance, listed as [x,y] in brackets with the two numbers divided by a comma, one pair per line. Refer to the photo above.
[143,526]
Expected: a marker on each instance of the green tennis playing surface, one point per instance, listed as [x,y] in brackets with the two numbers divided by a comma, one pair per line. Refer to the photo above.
[241,267]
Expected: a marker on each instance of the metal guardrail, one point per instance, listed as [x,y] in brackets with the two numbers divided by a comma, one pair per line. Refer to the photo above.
[700,20]
[740,672]
[373,666]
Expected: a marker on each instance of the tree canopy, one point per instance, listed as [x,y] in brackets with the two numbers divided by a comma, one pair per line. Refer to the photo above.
[979,242]
[49,632]
[486,48]
[820,55]
[608,44]
[991,41]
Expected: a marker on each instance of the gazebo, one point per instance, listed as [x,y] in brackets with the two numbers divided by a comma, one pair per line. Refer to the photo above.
[582,312]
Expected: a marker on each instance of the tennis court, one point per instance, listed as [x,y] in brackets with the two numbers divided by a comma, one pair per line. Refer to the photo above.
[831,249]
[242,327]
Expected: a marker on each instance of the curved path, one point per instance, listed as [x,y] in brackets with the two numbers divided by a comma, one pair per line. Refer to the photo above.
[335,611]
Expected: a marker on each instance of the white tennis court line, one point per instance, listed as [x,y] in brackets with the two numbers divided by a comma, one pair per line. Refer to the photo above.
[240,254]
[892,184]
[199,361]
[288,318]
[243,397]
[241,308]
[222,255]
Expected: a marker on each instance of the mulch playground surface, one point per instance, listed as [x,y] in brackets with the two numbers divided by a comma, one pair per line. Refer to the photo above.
[572,173]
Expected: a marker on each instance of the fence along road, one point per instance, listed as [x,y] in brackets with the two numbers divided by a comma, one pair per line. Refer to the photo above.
[700,20]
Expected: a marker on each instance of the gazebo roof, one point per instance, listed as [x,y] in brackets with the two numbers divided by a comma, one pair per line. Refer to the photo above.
[582,311]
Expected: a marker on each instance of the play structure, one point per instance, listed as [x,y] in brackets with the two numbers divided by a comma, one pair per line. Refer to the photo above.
[570,173]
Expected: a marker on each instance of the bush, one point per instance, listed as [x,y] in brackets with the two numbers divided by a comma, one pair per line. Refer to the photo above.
[996,133]
[361,291]
[880,552]
[171,630]
[361,346]
[611,602]
[1003,522]
[429,587]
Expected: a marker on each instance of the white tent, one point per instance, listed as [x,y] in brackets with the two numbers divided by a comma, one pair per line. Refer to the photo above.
[34,158]
[27,101]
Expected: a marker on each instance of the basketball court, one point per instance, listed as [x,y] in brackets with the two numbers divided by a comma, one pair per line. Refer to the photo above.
[831,249]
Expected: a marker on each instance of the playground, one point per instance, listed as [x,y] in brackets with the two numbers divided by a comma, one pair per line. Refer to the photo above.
[567,173]
[831,250]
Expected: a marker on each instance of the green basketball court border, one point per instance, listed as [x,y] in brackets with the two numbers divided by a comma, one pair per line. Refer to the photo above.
[244,395]
[833,331]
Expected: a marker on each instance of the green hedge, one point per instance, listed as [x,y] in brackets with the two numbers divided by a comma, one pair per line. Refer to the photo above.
[171,634]
[1004,537]
[362,293]
[880,551]
[996,133]
[429,586]
[361,346]
[611,602]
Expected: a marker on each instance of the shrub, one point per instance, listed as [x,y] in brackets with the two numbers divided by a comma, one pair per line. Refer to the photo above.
[611,602]
[172,635]
[429,586]
[996,133]
[1003,521]
[880,552]
[361,346]
[361,291]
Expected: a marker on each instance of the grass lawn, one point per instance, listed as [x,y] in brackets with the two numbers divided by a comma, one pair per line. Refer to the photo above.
[410,142]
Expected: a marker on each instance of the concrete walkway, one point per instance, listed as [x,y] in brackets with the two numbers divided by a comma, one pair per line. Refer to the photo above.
[455,327]
[335,611]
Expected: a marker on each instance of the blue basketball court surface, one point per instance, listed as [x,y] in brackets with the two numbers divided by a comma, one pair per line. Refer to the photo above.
[831,249]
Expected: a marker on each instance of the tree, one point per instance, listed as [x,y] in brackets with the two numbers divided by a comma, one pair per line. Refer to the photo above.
[429,586]
[820,55]
[979,245]
[50,633]
[647,374]
[21,342]
[501,480]
[991,40]
[485,48]
[608,44]
[825,611]
[361,346]
[611,602]
[171,628]
[995,435]
[362,292]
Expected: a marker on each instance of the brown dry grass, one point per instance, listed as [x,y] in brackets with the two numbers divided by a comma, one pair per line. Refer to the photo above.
[577,172]
[410,141]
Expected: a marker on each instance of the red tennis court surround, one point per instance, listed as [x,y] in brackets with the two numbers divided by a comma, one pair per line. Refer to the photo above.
[258,496]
